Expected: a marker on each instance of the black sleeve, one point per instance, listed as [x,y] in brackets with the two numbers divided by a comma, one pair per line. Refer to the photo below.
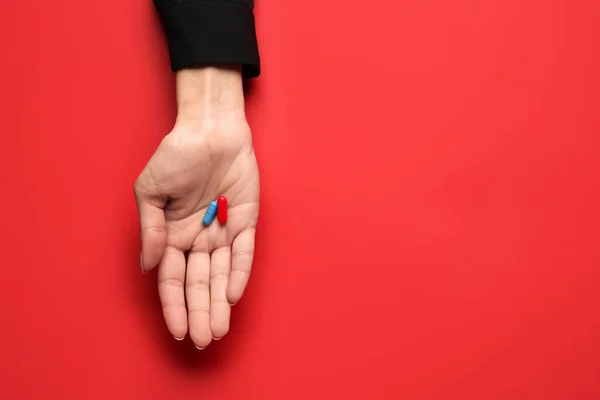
[210,32]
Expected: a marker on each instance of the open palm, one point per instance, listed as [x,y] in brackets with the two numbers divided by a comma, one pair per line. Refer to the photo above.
[202,270]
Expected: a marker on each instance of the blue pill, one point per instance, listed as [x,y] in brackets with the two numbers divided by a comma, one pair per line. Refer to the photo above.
[211,211]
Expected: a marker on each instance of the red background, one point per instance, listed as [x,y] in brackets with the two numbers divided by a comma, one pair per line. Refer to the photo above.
[429,218]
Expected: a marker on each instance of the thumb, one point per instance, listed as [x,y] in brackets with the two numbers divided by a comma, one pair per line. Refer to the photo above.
[150,206]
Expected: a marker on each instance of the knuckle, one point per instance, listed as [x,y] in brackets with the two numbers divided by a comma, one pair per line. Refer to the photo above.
[198,311]
[219,300]
[219,275]
[197,285]
[248,254]
[171,283]
[154,229]
[243,268]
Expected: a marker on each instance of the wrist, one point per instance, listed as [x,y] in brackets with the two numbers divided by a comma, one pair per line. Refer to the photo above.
[209,95]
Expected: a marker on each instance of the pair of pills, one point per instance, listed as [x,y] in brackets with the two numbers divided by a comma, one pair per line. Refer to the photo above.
[218,208]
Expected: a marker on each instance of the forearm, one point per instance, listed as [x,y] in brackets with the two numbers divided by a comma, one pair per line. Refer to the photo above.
[210,32]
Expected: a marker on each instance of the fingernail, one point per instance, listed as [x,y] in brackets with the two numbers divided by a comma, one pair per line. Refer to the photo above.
[178,339]
[142,263]
[217,338]
[200,348]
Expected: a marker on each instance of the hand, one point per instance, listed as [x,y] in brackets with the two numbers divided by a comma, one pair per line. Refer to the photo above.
[207,154]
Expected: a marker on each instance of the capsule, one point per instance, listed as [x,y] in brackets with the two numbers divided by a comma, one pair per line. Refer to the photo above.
[222,209]
[211,211]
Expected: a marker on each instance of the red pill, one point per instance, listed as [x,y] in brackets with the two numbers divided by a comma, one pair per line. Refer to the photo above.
[222,209]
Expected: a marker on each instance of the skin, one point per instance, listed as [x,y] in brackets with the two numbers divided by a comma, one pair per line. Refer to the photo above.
[202,270]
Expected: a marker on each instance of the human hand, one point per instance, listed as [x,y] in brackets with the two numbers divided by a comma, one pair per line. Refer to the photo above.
[202,270]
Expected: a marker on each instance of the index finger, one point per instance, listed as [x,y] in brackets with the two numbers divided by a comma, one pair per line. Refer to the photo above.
[242,255]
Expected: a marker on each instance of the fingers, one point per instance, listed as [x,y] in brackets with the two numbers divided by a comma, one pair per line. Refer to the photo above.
[171,278]
[198,298]
[241,264]
[220,310]
[152,222]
